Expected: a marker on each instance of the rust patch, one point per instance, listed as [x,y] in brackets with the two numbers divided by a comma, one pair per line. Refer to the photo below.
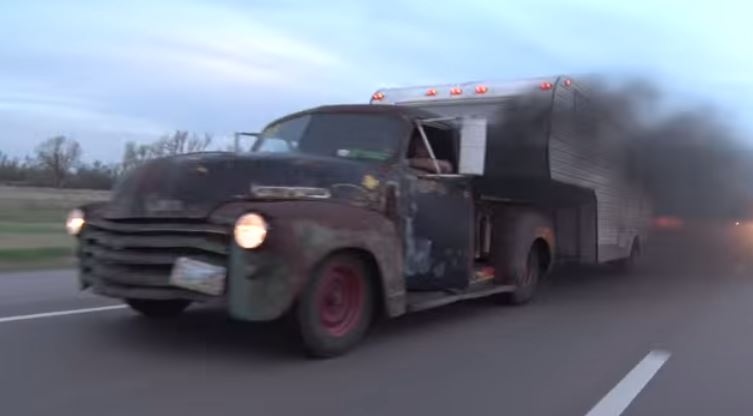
[302,234]
[418,252]
[425,186]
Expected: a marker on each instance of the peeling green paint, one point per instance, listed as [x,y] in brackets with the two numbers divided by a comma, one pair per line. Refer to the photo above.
[260,285]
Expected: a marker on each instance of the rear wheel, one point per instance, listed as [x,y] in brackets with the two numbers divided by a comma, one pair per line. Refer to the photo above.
[336,307]
[158,308]
[628,264]
[525,279]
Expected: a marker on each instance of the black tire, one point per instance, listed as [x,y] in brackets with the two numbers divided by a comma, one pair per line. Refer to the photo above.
[158,308]
[336,307]
[525,278]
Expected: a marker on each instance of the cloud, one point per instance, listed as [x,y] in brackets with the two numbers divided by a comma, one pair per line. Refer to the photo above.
[27,120]
[145,69]
[213,45]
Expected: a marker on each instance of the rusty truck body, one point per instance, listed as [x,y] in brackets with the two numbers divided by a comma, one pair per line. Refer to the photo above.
[341,214]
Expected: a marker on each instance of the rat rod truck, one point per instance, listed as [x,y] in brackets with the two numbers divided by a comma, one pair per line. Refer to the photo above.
[340,214]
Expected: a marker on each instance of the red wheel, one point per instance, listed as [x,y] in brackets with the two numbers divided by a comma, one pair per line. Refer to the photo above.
[336,307]
[340,298]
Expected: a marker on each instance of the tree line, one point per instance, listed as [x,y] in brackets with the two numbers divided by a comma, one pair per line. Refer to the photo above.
[57,161]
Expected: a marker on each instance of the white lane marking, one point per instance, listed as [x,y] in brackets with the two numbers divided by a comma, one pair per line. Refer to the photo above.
[60,313]
[620,397]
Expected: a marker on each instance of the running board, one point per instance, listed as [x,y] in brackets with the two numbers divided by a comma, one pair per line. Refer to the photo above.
[418,301]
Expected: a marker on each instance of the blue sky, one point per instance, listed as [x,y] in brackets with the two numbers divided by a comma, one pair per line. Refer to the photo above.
[105,73]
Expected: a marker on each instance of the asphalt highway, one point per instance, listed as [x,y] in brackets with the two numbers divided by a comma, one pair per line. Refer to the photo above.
[673,338]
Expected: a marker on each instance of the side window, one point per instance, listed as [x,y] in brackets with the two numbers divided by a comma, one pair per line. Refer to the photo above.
[442,145]
[416,148]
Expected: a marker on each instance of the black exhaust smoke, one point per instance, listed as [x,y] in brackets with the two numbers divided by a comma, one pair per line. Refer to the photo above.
[693,163]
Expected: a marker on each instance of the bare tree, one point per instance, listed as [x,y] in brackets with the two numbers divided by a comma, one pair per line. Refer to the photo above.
[180,142]
[58,156]
[199,143]
[95,175]
[134,155]
[11,169]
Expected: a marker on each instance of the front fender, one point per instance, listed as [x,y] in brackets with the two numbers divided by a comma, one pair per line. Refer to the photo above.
[264,283]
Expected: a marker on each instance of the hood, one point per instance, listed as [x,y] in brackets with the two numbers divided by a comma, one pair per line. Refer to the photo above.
[192,186]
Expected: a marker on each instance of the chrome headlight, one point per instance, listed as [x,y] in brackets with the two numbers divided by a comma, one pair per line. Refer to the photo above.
[75,222]
[250,231]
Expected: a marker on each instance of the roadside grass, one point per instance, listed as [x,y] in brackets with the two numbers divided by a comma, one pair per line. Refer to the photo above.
[30,227]
[32,232]
[55,238]
[19,213]
[36,258]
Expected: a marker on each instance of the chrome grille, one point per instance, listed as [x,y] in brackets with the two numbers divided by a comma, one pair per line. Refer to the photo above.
[142,253]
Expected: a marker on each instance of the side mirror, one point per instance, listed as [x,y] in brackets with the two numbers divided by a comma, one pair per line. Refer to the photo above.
[472,146]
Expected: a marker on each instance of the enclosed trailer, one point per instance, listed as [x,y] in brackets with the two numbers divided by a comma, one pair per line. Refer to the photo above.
[548,146]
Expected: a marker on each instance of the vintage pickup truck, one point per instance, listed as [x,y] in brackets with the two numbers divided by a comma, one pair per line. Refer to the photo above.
[343,214]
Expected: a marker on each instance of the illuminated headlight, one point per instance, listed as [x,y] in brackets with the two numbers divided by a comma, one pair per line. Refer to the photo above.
[250,231]
[75,222]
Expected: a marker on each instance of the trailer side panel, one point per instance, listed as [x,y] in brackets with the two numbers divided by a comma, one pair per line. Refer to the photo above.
[589,151]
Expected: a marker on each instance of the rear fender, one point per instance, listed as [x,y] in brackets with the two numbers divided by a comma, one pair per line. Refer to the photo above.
[516,229]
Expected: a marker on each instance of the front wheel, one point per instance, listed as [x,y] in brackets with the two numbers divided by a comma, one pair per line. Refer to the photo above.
[158,308]
[336,307]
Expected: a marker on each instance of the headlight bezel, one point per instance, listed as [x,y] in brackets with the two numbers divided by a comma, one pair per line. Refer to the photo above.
[250,230]
[75,222]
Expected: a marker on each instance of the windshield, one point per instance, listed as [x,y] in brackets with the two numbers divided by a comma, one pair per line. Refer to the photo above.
[372,137]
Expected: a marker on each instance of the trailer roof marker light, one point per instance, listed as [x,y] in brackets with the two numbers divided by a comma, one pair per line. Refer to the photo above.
[482,89]
[378,96]
[545,86]
[456,91]
[568,82]
[431,92]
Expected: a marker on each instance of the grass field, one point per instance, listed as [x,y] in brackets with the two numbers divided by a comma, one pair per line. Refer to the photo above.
[32,232]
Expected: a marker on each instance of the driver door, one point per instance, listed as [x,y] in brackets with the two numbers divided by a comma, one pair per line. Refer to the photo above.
[439,227]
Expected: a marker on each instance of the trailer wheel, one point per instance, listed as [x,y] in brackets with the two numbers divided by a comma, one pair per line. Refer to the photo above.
[336,307]
[627,264]
[158,308]
[526,278]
